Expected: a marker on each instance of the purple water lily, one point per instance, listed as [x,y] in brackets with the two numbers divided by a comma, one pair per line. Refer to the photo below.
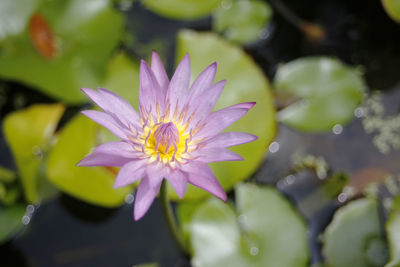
[175,135]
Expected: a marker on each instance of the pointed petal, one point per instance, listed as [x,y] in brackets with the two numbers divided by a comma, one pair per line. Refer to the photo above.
[159,72]
[178,88]
[106,121]
[203,105]
[113,104]
[155,172]
[203,81]
[178,181]
[114,154]
[130,173]
[150,93]
[200,175]
[228,139]
[209,155]
[219,120]
[145,196]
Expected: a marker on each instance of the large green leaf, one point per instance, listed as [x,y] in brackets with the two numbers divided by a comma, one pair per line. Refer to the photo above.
[264,231]
[325,91]
[393,232]
[28,133]
[243,20]
[91,184]
[182,9]
[392,7]
[10,221]
[245,83]
[14,15]
[85,33]
[353,238]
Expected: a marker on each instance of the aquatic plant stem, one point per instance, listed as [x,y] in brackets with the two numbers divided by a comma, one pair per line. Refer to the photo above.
[171,220]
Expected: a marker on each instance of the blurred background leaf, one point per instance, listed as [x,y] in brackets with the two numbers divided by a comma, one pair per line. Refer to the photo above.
[80,36]
[263,231]
[29,134]
[393,232]
[392,8]
[242,21]
[10,221]
[321,92]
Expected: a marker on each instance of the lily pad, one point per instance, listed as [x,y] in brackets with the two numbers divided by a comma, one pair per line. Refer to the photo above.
[245,83]
[353,238]
[94,184]
[80,36]
[182,9]
[28,133]
[392,8]
[264,231]
[10,221]
[242,21]
[392,228]
[324,90]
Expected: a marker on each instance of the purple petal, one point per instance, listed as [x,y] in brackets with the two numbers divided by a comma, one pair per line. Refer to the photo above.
[111,103]
[130,173]
[155,172]
[245,105]
[178,181]
[114,154]
[150,93]
[107,121]
[159,71]
[229,139]
[145,196]
[179,86]
[200,175]
[209,155]
[203,82]
[219,120]
[203,105]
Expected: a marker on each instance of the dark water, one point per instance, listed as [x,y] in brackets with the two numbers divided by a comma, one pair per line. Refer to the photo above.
[67,232]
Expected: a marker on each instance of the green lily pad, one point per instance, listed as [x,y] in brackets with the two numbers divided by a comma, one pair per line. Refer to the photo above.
[84,35]
[182,9]
[392,8]
[392,228]
[28,133]
[91,184]
[353,238]
[14,15]
[10,221]
[242,21]
[264,231]
[324,90]
[245,83]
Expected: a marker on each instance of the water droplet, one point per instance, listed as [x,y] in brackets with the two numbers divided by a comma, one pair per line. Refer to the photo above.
[129,198]
[342,197]
[30,209]
[37,152]
[274,147]
[25,220]
[254,251]
[359,112]
[290,179]
[226,4]
[337,129]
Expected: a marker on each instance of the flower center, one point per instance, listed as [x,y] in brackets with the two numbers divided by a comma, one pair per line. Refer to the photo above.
[166,137]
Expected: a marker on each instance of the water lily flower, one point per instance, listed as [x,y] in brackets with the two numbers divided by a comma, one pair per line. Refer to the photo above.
[174,135]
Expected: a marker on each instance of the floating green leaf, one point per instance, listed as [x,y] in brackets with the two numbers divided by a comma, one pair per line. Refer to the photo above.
[14,15]
[28,133]
[392,7]
[353,238]
[245,82]
[265,231]
[325,92]
[242,21]
[10,221]
[91,184]
[182,9]
[393,232]
[85,33]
